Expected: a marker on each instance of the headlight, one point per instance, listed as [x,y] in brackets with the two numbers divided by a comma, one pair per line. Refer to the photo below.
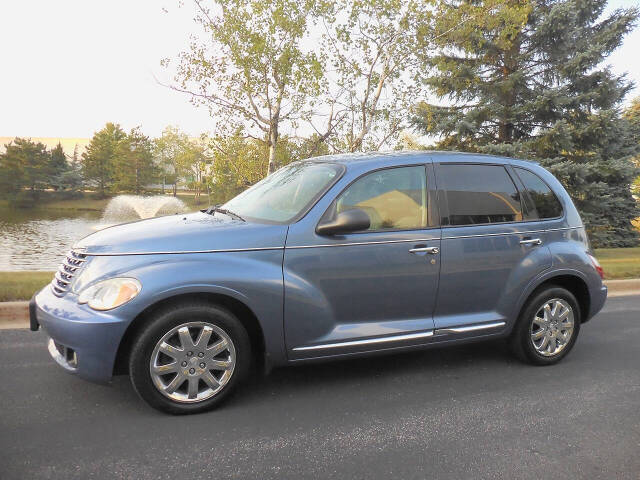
[110,293]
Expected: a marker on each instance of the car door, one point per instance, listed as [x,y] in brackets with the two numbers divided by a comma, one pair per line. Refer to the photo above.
[489,251]
[367,290]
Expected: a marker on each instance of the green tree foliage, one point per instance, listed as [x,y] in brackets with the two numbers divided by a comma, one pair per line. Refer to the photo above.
[169,151]
[196,161]
[632,115]
[526,78]
[240,162]
[34,158]
[57,162]
[70,180]
[12,176]
[23,165]
[251,69]
[99,158]
[27,167]
[63,175]
[133,165]
[73,179]
[299,149]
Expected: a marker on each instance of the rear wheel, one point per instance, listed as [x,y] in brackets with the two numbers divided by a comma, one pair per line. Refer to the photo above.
[547,328]
[189,358]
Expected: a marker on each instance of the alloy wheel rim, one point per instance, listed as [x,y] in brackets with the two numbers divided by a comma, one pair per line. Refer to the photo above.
[192,362]
[552,327]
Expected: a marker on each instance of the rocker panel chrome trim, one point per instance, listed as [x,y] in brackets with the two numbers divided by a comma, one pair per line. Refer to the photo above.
[369,341]
[469,328]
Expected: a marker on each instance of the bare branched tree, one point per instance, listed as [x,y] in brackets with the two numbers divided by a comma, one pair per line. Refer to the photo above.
[375,50]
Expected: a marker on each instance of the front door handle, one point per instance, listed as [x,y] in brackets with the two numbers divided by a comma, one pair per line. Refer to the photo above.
[531,241]
[431,250]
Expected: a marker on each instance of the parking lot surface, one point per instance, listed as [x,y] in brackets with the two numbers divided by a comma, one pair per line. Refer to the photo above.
[461,412]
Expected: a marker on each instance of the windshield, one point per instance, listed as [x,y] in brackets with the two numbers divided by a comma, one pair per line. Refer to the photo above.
[285,194]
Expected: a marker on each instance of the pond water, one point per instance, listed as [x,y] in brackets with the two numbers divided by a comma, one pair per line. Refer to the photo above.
[38,240]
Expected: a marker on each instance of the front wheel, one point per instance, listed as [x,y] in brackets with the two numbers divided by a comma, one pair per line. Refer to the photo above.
[189,358]
[547,328]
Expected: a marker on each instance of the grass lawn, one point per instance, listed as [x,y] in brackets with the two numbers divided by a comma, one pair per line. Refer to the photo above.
[619,263]
[22,285]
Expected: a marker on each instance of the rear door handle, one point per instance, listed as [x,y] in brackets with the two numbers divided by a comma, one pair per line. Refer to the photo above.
[431,250]
[531,241]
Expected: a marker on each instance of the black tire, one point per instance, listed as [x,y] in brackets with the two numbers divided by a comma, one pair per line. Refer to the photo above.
[520,341]
[163,322]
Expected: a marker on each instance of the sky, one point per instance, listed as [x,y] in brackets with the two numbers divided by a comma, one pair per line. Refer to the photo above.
[69,66]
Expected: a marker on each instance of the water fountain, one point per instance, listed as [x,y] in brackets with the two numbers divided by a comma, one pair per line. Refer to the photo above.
[125,208]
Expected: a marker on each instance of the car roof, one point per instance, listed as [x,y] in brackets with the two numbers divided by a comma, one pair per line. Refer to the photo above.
[399,157]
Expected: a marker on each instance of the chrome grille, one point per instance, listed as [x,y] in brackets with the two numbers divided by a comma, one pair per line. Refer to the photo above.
[68,268]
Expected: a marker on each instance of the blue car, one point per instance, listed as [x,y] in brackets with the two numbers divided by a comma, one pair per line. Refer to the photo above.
[329,258]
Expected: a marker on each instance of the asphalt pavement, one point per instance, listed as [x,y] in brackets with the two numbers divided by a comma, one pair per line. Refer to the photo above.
[459,412]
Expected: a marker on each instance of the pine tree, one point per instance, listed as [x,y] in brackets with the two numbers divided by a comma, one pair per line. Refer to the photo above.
[57,167]
[525,78]
[99,157]
[58,160]
[23,165]
[12,175]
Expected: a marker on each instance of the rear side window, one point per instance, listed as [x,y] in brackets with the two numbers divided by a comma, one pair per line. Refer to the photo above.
[544,200]
[479,194]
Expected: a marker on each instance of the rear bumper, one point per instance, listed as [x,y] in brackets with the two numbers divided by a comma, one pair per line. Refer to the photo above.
[84,342]
[598,299]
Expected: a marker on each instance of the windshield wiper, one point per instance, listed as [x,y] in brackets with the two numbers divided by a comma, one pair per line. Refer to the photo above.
[217,208]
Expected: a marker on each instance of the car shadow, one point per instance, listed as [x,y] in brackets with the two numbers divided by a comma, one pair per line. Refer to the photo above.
[338,377]
[431,362]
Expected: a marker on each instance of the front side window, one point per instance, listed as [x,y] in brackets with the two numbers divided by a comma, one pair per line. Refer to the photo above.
[394,199]
[545,202]
[285,194]
[479,194]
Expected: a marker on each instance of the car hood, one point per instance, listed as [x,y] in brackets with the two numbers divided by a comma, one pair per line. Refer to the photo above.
[194,232]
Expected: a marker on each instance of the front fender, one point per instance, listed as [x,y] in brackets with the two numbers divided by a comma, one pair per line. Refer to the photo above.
[253,278]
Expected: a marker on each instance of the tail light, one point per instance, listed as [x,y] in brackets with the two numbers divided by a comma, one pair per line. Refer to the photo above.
[596,265]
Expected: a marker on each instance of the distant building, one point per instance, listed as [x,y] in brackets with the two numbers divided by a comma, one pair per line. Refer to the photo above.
[68,144]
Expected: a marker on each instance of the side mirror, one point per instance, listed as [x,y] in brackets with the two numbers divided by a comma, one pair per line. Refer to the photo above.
[348,221]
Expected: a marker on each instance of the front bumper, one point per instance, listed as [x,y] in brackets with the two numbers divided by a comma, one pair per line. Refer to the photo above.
[64,356]
[92,337]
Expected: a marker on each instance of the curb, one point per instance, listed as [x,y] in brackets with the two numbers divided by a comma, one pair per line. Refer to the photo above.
[16,314]
[618,288]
